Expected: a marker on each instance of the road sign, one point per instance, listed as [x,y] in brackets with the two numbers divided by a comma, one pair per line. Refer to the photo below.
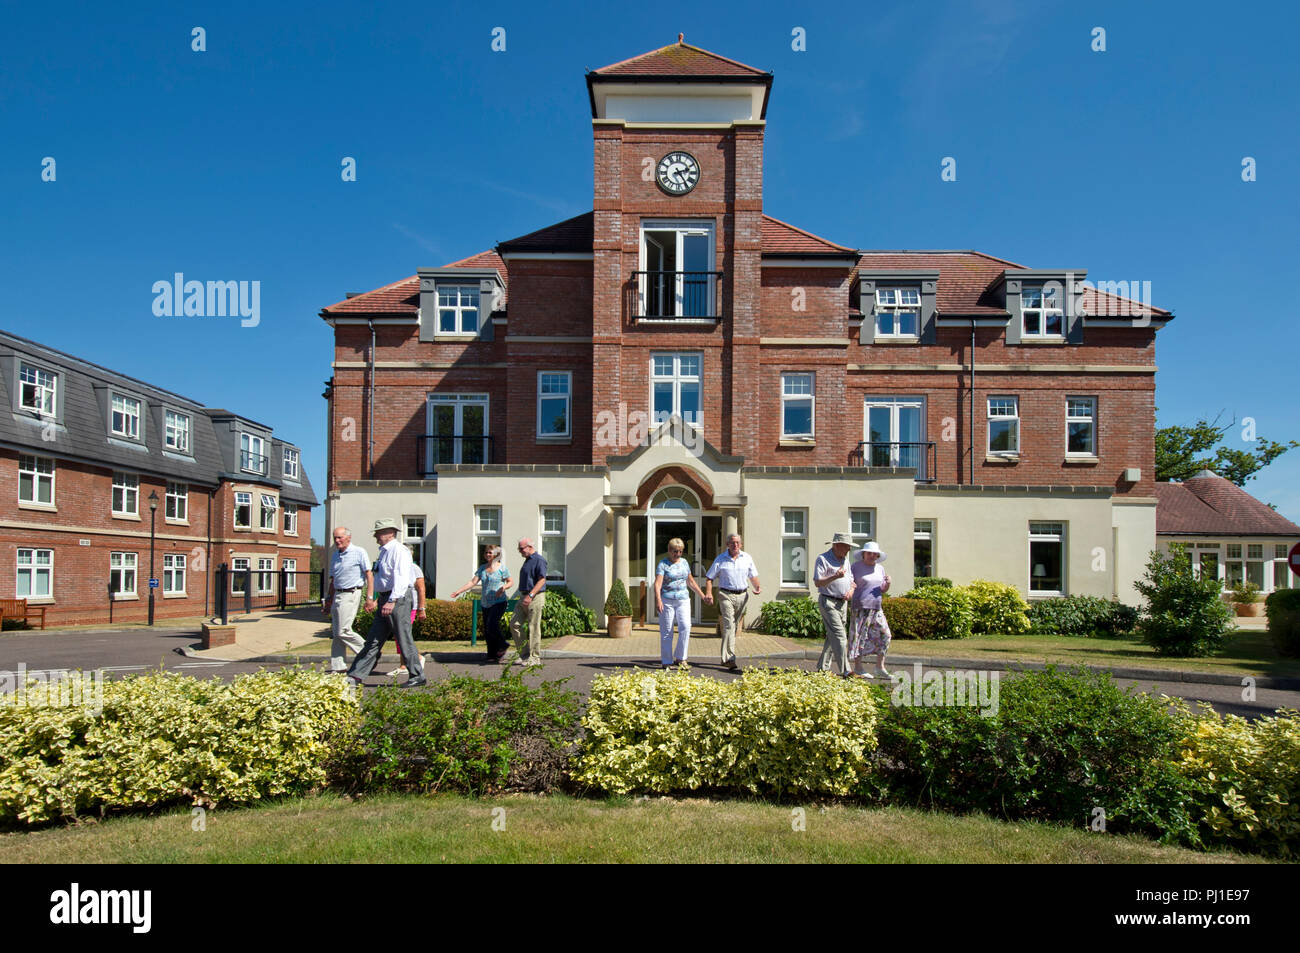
[1294,559]
[153,583]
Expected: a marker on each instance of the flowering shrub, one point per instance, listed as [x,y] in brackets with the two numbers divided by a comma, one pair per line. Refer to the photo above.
[998,607]
[771,732]
[164,738]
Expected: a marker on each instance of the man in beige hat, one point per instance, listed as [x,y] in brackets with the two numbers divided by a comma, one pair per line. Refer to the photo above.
[391,604]
[832,578]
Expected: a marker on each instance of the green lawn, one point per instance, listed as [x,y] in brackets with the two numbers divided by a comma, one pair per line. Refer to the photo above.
[413,829]
[1247,652]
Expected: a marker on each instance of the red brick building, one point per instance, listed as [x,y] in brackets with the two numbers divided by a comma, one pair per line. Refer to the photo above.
[106,471]
[677,363]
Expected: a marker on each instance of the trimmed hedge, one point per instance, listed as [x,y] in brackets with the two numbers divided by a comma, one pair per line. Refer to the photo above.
[461,734]
[1081,616]
[998,608]
[797,618]
[959,614]
[772,732]
[932,581]
[915,618]
[164,739]
[1283,611]
[563,613]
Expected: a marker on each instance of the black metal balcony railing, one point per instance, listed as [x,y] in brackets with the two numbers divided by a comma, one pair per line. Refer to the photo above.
[251,462]
[433,450]
[671,295]
[894,453]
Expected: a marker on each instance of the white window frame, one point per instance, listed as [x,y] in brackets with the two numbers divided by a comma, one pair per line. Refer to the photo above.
[178,429]
[459,309]
[176,506]
[246,452]
[292,464]
[1230,560]
[480,512]
[290,567]
[1042,312]
[683,228]
[130,429]
[129,486]
[543,534]
[235,509]
[33,568]
[859,538]
[923,530]
[890,303]
[265,572]
[1074,418]
[1282,566]
[801,536]
[677,377]
[268,505]
[173,567]
[567,377]
[44,388]
[1015,405]
[416,540]
[236,572]
[458,403]
[809,397]
[899,455]
[123,567]
[290,518]
[1040,531]
[33,468]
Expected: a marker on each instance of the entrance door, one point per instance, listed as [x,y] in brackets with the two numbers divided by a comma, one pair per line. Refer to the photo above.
[663,529]
[458,424]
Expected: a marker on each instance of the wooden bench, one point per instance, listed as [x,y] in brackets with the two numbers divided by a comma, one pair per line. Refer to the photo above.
[19,609]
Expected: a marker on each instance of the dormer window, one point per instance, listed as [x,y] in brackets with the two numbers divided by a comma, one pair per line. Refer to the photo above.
[291,470]
[38,390]
[1042,313]
[126,417]
[458,309]
[898,312]
[252,456]
[177,431]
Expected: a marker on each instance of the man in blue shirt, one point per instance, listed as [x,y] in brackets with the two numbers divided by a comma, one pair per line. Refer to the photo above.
[349,576]
[391,604]
[532,596]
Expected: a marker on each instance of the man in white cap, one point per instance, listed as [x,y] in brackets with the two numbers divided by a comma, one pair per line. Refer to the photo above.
[832,578]
[391,603]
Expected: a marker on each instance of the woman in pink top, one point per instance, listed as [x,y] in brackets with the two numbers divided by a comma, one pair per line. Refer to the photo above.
[870,634]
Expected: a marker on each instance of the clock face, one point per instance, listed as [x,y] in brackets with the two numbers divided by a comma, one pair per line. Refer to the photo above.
[677,173]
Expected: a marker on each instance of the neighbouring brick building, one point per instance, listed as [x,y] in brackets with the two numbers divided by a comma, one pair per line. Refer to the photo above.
[678,363]
[86,450]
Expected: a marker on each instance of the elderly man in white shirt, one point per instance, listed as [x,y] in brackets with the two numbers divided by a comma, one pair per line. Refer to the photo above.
[832,575]
[391,603]
[733,569]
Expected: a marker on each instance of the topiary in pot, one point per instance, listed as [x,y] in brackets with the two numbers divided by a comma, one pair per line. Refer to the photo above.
[619,609]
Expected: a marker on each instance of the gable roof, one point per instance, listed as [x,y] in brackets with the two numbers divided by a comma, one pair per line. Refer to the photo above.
[680,59]
[1209,505]
[403,295]
[782,238]
[966,278]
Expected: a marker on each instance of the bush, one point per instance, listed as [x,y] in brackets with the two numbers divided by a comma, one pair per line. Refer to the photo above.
[1184,615]
[163,739]
[1283,610]
[1244,593]
[444,621]
[1082,616]
[617,602]
[770,732]
[1249,777]
[915,618]
[932,581]
[462,734]
[998,607]
[959,615]
[564,613]
[1058,746]
[797,618]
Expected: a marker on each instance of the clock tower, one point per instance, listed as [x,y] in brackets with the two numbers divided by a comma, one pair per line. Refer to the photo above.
[677,232]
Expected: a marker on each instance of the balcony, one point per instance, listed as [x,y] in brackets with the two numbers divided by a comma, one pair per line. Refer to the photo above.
[672,296]
[917,454]
[433,450]
[251,462]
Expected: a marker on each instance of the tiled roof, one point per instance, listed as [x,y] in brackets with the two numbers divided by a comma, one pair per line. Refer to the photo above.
[574,234]
[679,59]
[782,238]
[1209,505]
[1103,304]
[966,278]
[403,297]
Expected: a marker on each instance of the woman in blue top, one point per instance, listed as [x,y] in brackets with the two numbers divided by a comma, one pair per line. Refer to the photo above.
[494,577]
[673,580]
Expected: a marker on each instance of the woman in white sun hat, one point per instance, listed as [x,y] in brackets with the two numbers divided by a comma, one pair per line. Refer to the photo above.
[870,635]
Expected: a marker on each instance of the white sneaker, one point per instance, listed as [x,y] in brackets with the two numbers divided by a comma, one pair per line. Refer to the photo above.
[882,672]
[400,670]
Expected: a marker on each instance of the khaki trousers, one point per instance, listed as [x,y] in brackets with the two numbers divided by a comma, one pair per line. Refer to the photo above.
[731,617]
[530,616]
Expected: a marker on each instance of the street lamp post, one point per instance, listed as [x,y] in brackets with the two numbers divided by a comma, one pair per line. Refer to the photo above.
[153,516]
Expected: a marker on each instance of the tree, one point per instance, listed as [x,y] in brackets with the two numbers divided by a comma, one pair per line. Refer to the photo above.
[1184,615]
[1182,452]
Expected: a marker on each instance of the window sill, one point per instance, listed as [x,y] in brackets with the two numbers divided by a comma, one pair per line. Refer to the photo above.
[176,595]
[1042,339]
[1082,460]
[455,335]
[895,339]
[1003,458]
[1044,594]
[797,443]
[555,438]
[242,529]
[39,600]
[791,587]
[705,321]
[171,522]
[42,507]
[122,598]
[127,516]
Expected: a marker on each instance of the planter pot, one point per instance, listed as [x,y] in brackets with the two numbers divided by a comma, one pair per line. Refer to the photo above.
[620,626]
[1248,609]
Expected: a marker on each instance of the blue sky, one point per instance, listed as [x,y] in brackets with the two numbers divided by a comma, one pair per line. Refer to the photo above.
[225,164]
